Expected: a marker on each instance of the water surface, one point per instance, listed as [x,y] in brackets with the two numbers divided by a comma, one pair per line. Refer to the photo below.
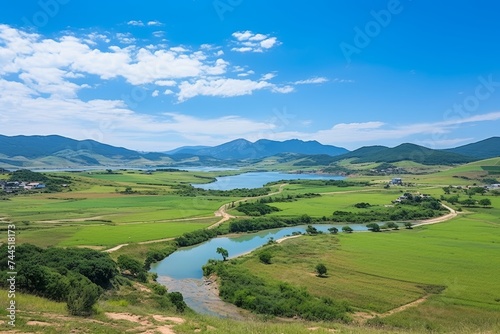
[258,179]
[187,262]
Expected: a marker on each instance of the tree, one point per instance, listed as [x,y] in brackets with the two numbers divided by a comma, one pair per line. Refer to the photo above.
[333,230]
[409,225]
[321,269]
[485,202]
[265,257]
[178,300]
[347,229]
[392,225]
[82,296]
[223,252]
[468,202]
[374,227]
[127,263]
[311,230]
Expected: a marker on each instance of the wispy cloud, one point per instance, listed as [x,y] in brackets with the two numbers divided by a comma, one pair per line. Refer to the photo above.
[433,134]
[138,23]
[316,80]
[155,23]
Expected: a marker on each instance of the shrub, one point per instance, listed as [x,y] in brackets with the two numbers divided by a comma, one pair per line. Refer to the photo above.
[265,257]
[321,269]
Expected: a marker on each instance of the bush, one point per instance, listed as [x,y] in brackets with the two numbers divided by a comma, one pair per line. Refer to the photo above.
[256,209]
[374,227]
[82,296]
[178,300]
[321,269]
[347,229]
[159,289]
[265,257]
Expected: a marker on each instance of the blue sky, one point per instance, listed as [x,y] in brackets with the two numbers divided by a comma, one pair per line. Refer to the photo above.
[155,75]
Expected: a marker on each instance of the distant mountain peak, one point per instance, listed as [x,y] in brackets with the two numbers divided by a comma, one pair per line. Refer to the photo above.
[240,149]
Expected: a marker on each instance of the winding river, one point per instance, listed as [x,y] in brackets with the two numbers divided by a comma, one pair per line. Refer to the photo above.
[181,271]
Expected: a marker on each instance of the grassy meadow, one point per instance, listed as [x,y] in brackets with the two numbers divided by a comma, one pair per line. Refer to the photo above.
[454,265]
[95,211]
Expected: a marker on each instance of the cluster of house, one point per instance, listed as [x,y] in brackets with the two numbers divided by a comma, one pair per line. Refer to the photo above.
[403,198]
[14,186]
[397,181]
[388,171]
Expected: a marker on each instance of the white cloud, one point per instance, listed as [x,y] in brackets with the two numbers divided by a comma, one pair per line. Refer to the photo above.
[316,80]
[242,49]
[247,41]
[168,92]
[158,33]
[138,23]
[165,83]
[178,49]
[226,88]
[343,80]
[243,36]
[48,65]
[94,37]
[155,93]
[155,23]
[268,76]
[269,43]
[257,37]
[347,134]
[125,38]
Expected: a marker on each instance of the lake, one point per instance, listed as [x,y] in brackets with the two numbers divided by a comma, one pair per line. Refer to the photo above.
[258,179]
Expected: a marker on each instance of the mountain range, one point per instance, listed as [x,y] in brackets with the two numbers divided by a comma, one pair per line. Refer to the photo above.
[240,149]
[57,151]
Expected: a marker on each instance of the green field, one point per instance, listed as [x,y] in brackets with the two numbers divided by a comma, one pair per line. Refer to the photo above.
[455,264]
[376,272]
[94,211]
[114,207]
[110,235]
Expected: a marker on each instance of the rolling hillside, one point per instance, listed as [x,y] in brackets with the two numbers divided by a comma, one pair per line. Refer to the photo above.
[484,149]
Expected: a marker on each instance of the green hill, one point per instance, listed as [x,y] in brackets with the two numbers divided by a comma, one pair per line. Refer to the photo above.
[484,149]
[410,152]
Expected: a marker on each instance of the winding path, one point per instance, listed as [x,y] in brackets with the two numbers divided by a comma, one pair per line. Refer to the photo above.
[363,317]
[440,219]
[221,212]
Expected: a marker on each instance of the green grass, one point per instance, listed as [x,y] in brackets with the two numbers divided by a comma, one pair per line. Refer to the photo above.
[380,271]
[327,204]
[116,207]
[109,235]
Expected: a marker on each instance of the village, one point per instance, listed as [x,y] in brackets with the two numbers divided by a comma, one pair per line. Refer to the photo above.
[16,186]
